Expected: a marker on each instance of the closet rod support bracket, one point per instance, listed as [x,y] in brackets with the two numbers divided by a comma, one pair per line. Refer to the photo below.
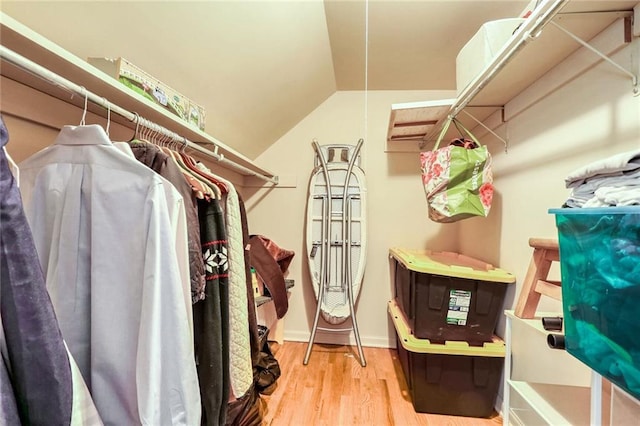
[634,77]
[488,129]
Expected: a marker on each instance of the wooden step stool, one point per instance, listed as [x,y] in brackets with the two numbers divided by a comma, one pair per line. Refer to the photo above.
[536,283]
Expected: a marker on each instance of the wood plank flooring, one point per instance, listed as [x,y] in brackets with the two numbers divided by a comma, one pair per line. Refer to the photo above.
[335,390]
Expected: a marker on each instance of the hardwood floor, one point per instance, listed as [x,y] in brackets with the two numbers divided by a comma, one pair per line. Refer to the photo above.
[335,390]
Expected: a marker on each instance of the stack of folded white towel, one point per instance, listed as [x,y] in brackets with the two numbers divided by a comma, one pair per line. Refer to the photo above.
[614,181]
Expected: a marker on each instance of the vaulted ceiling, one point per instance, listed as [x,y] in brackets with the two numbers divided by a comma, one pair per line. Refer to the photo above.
[259,67]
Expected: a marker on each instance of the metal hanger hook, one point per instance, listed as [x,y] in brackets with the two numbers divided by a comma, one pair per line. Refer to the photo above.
[86,105]
[137,121]
[106,103]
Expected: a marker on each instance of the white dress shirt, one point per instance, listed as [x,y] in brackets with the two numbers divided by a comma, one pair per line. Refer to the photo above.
[83,409]
[105,241]
[178,219]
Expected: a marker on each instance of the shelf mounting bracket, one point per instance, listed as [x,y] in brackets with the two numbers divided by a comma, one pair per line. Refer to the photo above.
[634,77]
[506,144]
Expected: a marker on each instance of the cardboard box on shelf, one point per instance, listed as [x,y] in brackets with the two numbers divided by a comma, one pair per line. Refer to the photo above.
[151,88]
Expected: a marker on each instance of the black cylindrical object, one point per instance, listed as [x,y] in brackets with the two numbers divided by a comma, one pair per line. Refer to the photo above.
[552,323]
[555,341]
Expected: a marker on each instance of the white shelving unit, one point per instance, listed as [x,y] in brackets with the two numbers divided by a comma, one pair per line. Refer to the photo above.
[24,42]
[538,404]
[625,409]
[542,385]
[266,314]
[533,50]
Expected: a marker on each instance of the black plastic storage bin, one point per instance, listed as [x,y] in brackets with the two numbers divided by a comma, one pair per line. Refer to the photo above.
[452,378]
[448,296]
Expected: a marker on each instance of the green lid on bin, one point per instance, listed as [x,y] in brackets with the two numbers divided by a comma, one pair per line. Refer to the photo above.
[496,348]
[450,264]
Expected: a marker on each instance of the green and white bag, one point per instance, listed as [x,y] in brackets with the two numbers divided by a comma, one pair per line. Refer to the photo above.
[457,178]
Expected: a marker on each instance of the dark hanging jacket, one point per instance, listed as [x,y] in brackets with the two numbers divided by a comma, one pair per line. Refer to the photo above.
[39,389]
[153,157]
[211,317]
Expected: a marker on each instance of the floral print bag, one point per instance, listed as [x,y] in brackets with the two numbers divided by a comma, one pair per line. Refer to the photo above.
[457,178]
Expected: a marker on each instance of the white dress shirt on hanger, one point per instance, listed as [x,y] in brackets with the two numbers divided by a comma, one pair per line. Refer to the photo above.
[178,219]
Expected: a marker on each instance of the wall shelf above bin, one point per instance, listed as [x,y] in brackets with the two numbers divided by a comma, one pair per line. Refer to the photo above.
[532,51]
[414,120]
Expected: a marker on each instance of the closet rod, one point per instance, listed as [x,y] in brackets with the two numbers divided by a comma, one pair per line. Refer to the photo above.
[57,80]
[530,29]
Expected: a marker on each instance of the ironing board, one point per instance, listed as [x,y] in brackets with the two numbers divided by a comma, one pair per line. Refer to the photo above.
[336,236]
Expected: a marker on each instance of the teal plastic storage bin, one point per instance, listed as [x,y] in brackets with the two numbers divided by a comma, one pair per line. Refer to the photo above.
[600,267]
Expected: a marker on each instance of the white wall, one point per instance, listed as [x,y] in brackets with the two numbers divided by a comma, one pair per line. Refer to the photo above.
[591,117]
[397,212]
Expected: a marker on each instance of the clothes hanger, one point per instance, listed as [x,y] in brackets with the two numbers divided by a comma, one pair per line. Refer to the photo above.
[175,143]
[153,137]
[134,138]
[86,105]
[202,187]
[141,130]
[207,187]
[151,133]
[161,139]
[108,115]
[191,163]
[148,135]
[159,136]
[183,147]
[146,131]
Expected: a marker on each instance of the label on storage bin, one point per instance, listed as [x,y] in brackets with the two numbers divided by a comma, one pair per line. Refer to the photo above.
[459,302]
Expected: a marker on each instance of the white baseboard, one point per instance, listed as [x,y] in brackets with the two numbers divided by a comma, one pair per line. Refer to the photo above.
[338,339]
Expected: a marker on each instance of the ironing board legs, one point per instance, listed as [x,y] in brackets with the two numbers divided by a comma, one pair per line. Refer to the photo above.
[324,254]
[363,362]
[315,326]
[347,265]
[326,249]
[346,248]
[325,261]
